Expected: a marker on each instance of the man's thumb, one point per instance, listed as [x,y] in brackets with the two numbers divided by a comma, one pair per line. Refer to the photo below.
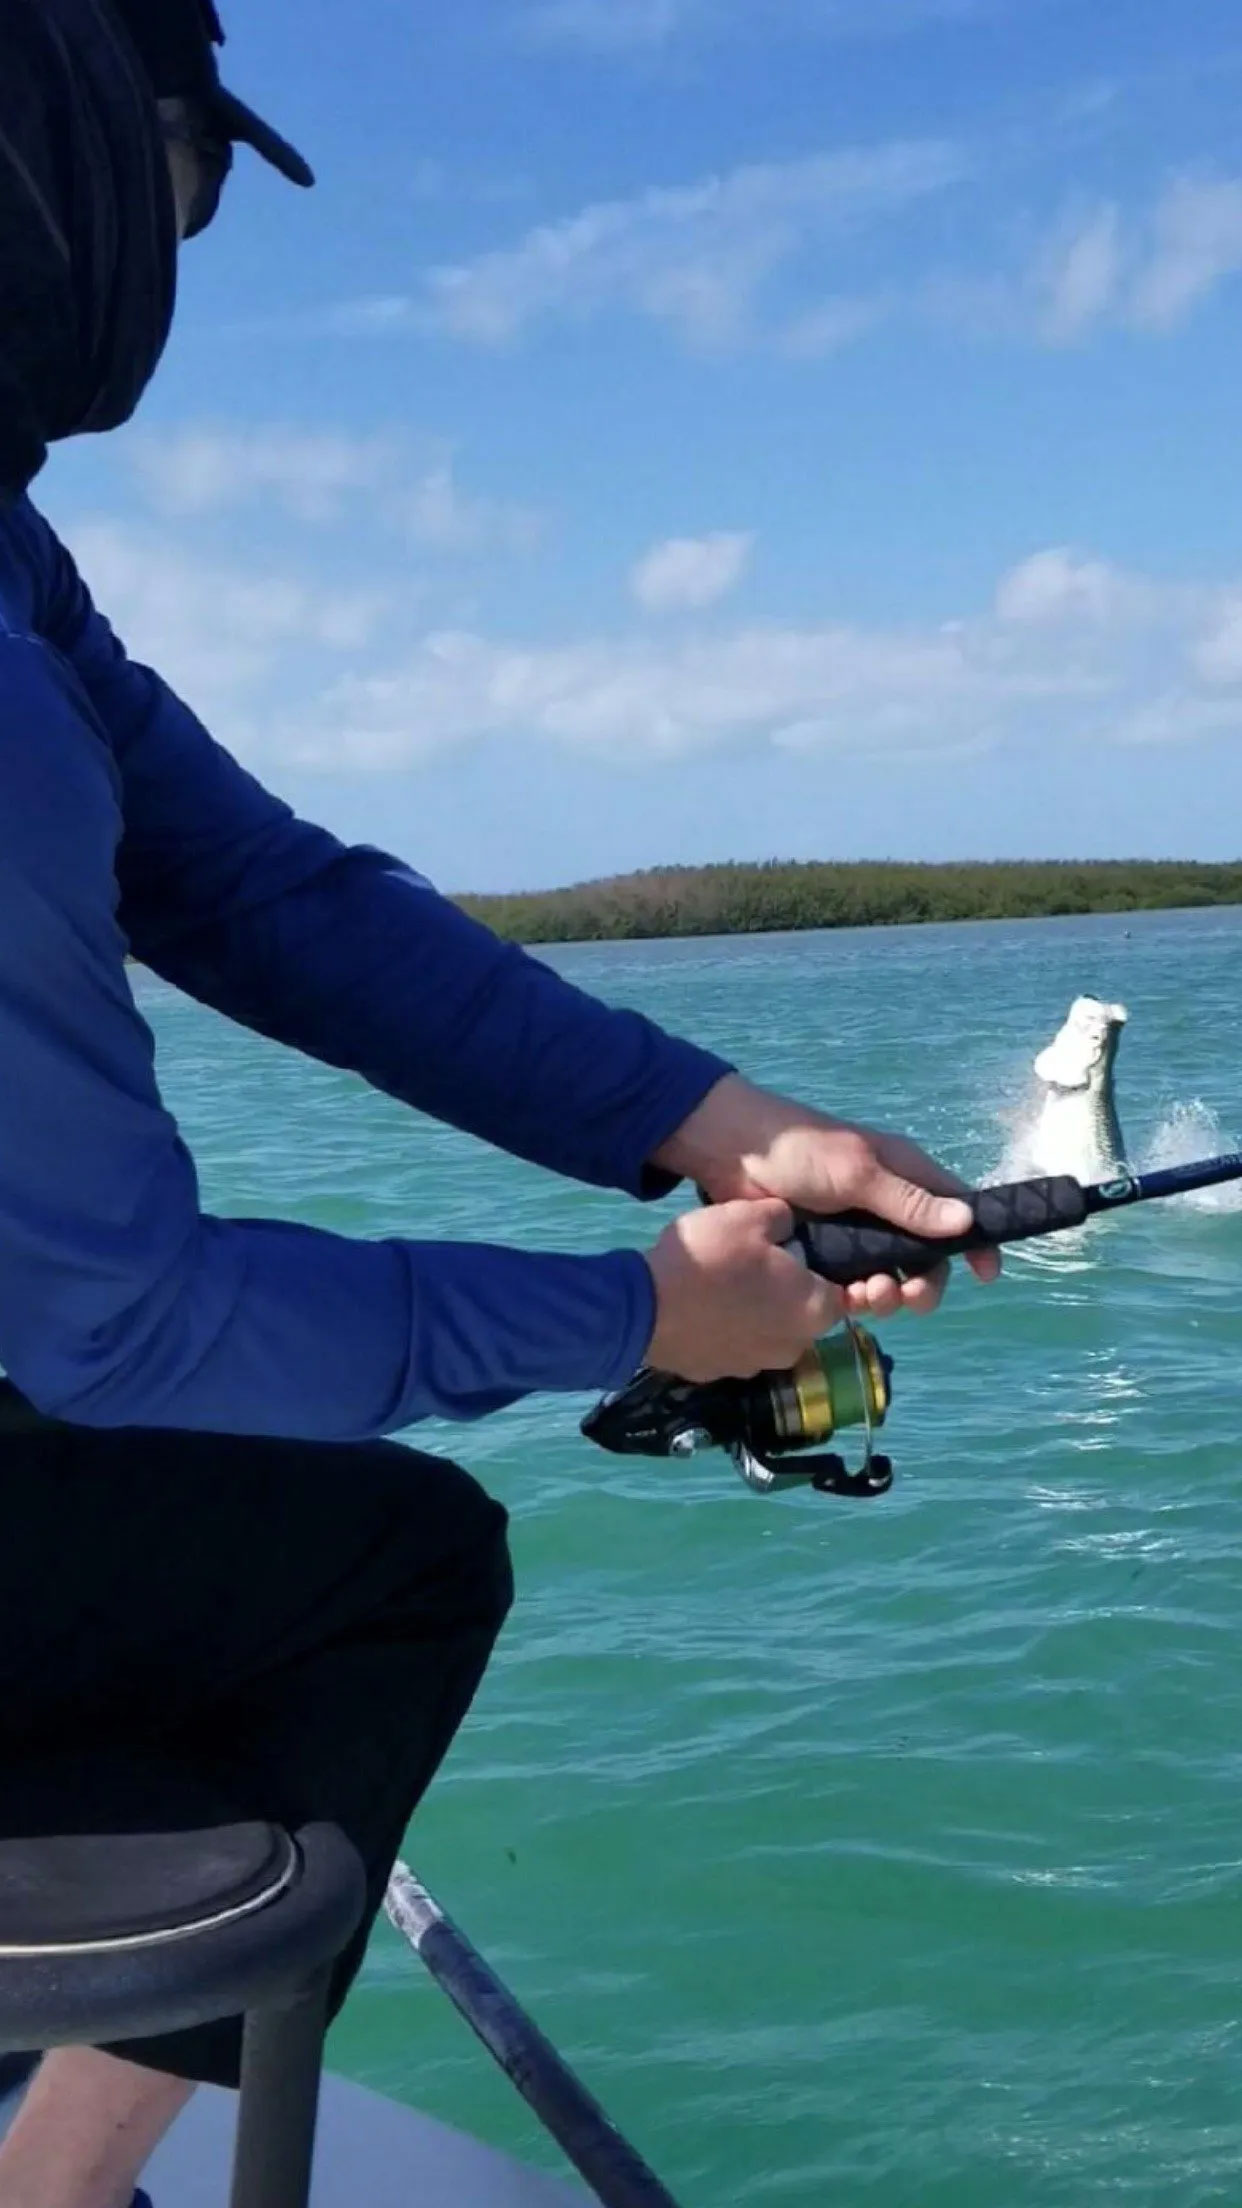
[917,1210]
[772,1215]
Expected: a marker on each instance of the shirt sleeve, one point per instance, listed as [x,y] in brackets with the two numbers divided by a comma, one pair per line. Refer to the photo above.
[349,956]
[121,1302]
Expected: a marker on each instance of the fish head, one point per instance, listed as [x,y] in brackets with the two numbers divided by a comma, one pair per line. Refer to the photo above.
[1082,1055]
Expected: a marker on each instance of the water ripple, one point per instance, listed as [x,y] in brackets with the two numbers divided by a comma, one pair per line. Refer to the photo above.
[884,1853]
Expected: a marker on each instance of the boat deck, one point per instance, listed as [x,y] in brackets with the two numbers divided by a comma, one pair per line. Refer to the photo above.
[370,2150]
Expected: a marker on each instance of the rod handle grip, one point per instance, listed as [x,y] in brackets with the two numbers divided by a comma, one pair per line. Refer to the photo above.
[853,1245]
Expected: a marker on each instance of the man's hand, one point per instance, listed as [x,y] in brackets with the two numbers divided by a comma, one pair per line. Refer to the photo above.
[748,1142]
[729,1301]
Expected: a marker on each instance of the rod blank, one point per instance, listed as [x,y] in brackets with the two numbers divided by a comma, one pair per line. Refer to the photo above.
[616,2173]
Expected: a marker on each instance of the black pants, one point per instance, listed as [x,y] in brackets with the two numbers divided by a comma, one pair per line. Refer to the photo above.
[308,1623]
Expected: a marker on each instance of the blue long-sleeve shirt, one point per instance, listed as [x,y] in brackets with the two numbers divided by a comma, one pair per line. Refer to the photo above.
[125,828]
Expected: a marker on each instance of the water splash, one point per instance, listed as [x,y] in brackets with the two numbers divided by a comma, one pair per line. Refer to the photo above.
[1016,1120]
[1078,1140]
[1068,1252]
[1016,1125]
[1190,1131]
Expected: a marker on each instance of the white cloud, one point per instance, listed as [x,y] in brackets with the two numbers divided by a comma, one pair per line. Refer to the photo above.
[1145,272]
[447,519]
[1078,276]
[1197,243]
[694,257]
[377,314]
[289,673]
[632,700]
[216,632]
[434,182]
[690,571]
[1218,653]
[893,18]
[1180,718]
[316,475]
[608,25]
[1071,646]
[619,26]
[702,260]
[310,474]
[1058,586]
[830,327]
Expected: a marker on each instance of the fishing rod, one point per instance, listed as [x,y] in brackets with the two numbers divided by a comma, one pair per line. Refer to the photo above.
[614,2170]
[853,1246]
[846,1379]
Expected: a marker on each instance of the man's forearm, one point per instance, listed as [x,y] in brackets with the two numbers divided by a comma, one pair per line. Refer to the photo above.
[363,966]
[717,1137]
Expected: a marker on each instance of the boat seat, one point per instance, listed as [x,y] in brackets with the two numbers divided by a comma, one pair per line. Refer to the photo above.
[136,1899]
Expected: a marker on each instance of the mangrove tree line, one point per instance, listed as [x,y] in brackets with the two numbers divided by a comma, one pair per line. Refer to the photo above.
[754,899]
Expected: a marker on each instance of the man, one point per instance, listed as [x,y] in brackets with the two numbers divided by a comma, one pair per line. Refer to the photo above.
[207,1537]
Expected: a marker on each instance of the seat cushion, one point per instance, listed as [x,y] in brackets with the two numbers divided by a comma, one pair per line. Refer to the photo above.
[100,1850]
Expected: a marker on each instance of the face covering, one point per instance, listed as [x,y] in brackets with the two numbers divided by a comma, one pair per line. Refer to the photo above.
[87,222]
[87,230]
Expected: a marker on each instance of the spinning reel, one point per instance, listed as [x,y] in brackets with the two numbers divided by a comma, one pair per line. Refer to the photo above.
[844,1380]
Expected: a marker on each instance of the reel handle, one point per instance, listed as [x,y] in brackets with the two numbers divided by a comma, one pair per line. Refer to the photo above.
[853,1245]
[828,1475]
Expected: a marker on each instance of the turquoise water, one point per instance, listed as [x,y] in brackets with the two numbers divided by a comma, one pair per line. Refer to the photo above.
[881,1853]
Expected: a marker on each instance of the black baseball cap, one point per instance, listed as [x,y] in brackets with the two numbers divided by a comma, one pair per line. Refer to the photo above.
[175,40]
[242,127]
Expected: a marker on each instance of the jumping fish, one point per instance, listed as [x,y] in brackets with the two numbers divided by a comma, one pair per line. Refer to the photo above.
[1077,1129]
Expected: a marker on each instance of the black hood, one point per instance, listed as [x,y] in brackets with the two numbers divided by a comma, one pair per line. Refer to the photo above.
[88,246]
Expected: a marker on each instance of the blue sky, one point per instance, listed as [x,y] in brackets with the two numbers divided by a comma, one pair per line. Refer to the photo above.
[689,429]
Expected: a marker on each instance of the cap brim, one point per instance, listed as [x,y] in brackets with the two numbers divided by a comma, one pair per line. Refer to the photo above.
[240,123]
